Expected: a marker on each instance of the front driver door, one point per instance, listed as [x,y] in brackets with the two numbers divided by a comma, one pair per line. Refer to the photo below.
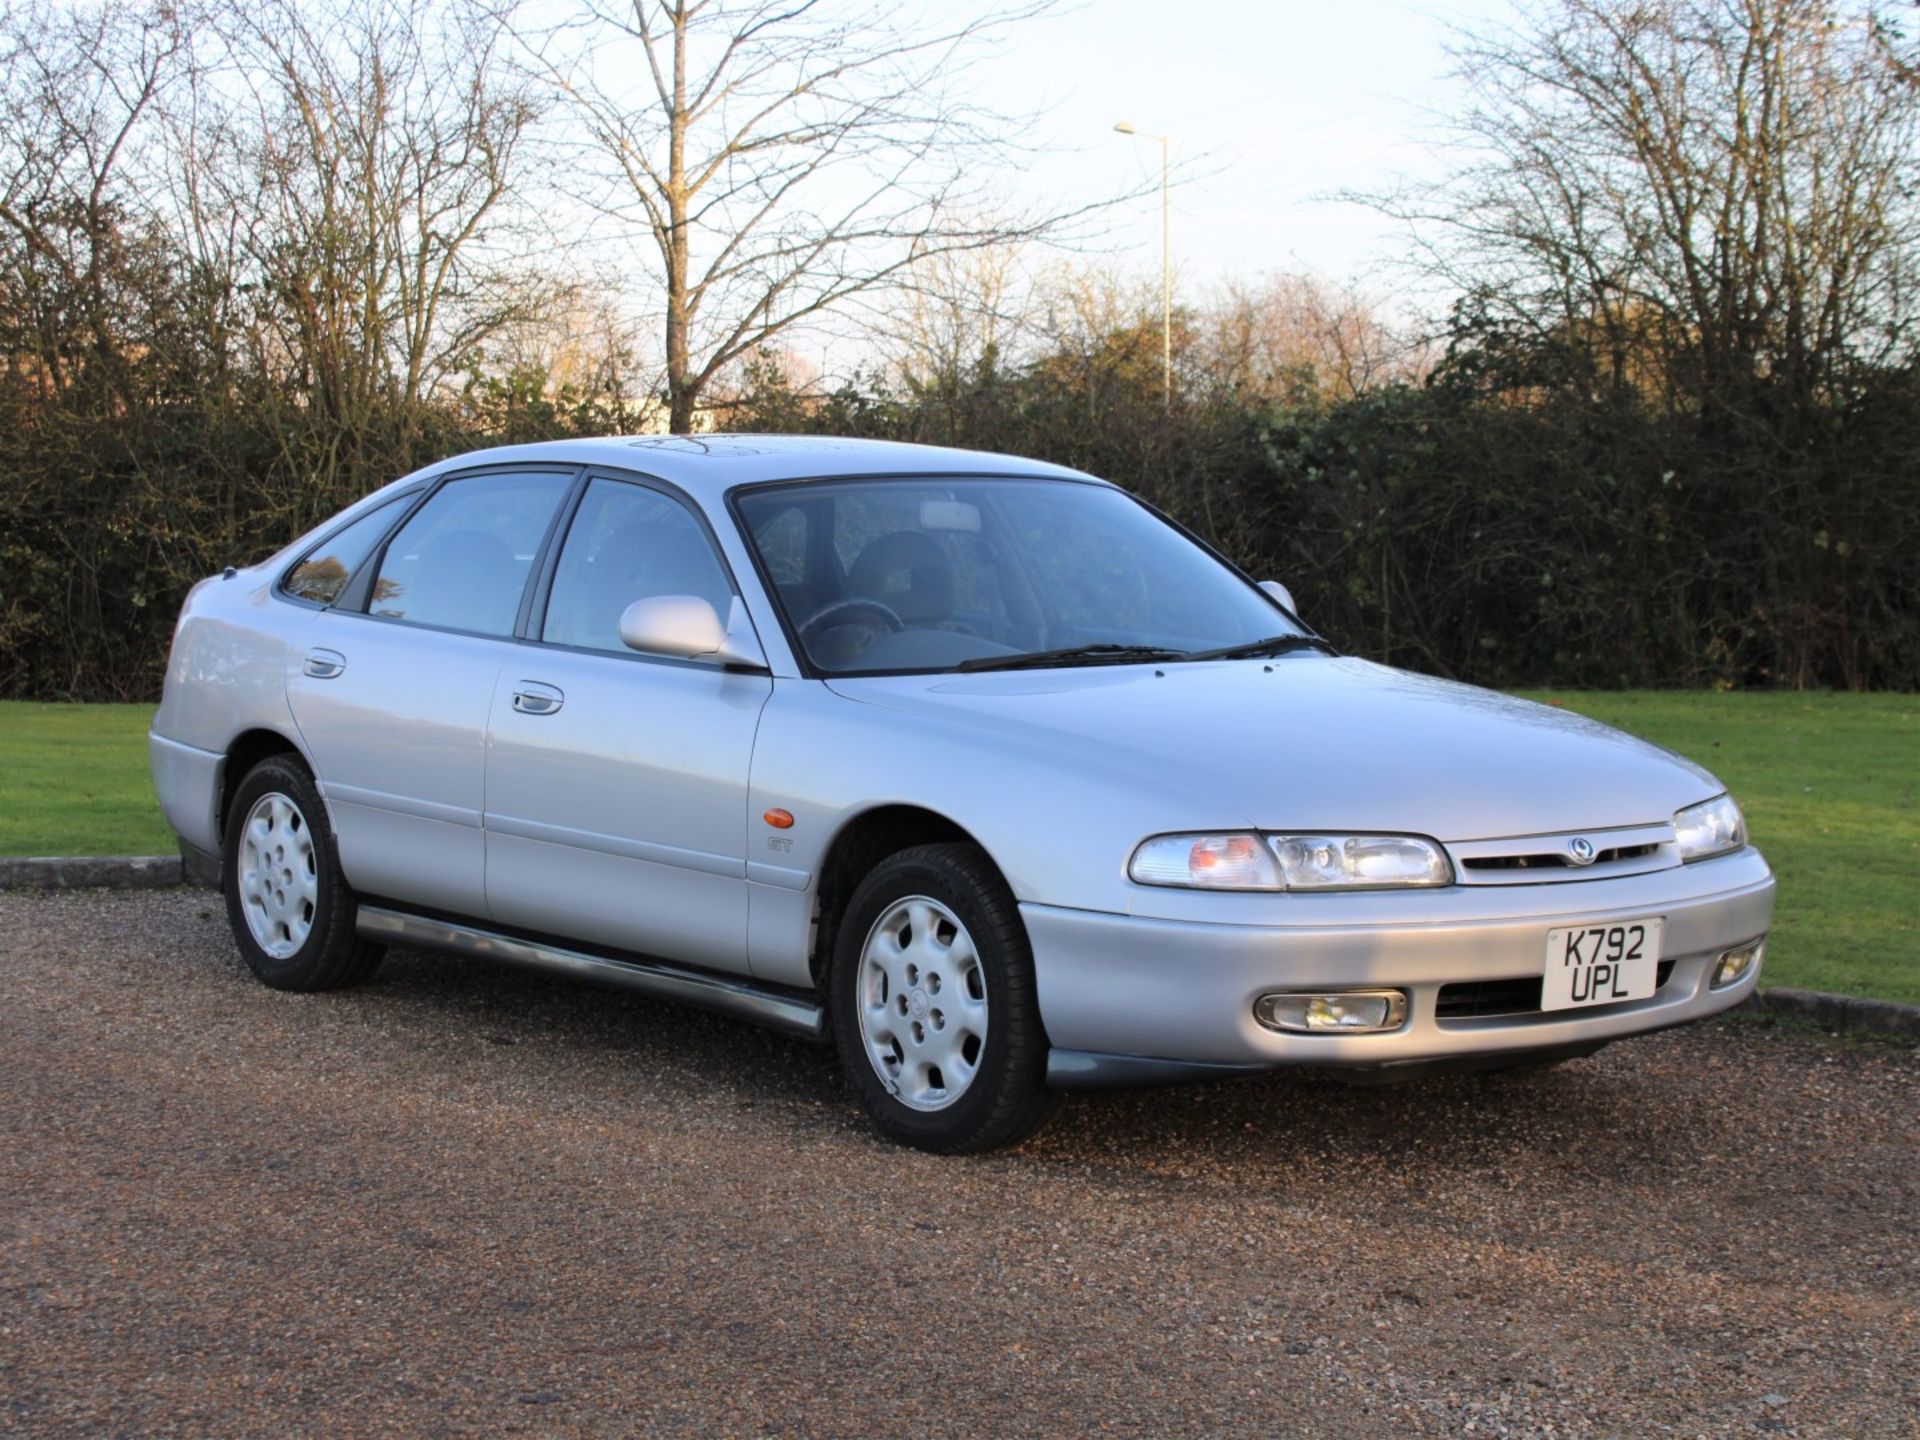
[617,783]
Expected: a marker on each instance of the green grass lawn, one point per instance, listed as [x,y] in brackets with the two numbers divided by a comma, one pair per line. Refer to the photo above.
[1831,789]
[73,781]
[1830,783]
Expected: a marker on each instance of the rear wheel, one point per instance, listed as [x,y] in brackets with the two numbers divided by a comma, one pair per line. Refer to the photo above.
[290,908]
[933,1003]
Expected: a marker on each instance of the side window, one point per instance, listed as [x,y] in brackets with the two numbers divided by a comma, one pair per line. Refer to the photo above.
[462,560]
[628,543]
[324,571]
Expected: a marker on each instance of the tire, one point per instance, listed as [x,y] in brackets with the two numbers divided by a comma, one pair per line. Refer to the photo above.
[293,919]
[932,999]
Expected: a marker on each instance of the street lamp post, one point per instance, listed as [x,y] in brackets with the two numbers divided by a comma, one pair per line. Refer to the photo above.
[1166,259]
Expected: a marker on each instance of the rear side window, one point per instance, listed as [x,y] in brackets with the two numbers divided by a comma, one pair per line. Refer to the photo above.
[462,561]
[324,573]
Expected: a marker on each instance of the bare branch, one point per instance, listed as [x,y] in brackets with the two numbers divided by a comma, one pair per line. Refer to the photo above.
[786,156]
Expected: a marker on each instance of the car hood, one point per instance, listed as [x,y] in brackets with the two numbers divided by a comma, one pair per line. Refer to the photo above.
[1310,742]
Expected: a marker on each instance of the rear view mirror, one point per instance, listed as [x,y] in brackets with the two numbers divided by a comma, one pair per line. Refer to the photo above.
[1280,593]
[687,627]
[949,515]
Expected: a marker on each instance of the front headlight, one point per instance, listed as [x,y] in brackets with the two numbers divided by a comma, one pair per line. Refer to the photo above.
[1358,862]
[1247,861]
[1206,862]
[1711,828]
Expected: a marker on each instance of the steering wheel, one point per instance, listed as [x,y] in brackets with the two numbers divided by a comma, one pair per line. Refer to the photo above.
[834,612]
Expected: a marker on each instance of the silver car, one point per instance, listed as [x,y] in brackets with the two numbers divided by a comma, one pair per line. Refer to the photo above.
[978,766]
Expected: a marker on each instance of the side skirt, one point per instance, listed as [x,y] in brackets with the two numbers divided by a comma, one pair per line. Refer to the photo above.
[729,995]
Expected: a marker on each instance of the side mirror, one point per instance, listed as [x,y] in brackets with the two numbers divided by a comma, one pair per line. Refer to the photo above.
[687,627]
[1280,593]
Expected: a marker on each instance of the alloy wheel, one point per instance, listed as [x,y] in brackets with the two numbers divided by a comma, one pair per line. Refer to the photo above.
[279,877]
[922,1003]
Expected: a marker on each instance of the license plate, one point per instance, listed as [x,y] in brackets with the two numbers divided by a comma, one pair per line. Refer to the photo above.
[1601,964]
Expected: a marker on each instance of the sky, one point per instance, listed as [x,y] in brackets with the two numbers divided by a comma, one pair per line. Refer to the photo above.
[1271,106]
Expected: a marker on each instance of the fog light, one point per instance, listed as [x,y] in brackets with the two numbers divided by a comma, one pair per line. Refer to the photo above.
[1351,1012]
[1738,963]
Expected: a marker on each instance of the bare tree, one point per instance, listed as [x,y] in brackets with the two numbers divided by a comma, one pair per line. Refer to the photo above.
[1297,334]
[354,167]
[1720,185]
[581,342]
[1102,326]
[76,86]
[787,157]
[958,313]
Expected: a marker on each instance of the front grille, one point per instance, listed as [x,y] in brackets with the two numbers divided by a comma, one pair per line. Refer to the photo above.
[1483,999]
[1549,860]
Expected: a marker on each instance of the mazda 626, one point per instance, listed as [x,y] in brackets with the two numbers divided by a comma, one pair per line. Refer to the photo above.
[978,767]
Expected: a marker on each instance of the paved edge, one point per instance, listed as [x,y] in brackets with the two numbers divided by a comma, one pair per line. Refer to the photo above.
[91,872]
[1848,1013]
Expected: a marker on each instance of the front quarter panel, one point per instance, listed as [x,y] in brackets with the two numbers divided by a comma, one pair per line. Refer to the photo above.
[1058,825]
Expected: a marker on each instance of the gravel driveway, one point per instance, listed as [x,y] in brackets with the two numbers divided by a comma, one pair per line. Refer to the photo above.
[466,1200]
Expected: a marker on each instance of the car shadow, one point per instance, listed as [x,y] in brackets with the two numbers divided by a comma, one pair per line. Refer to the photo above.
[1597,1115]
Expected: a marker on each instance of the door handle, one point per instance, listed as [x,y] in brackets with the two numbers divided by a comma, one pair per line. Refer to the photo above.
[530,697]
[325,664]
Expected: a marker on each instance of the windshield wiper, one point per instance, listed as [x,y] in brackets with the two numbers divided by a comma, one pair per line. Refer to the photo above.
[1072,655]
[1272,645]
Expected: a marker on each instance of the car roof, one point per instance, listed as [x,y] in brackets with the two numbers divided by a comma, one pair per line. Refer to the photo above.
[708,464]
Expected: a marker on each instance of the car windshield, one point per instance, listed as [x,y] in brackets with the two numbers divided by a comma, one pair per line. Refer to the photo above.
[927,574]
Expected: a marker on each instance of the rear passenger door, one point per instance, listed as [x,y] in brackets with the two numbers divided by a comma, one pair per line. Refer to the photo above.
[616,782]
[392,684]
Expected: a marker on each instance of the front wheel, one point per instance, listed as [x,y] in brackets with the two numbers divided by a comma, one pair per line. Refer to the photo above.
[933,1003]
[291,911]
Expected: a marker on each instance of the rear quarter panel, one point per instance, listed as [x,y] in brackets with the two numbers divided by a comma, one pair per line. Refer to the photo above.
[227,671]
[226,675]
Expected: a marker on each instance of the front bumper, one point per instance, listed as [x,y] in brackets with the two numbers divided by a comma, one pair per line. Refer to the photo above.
[1168,995]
